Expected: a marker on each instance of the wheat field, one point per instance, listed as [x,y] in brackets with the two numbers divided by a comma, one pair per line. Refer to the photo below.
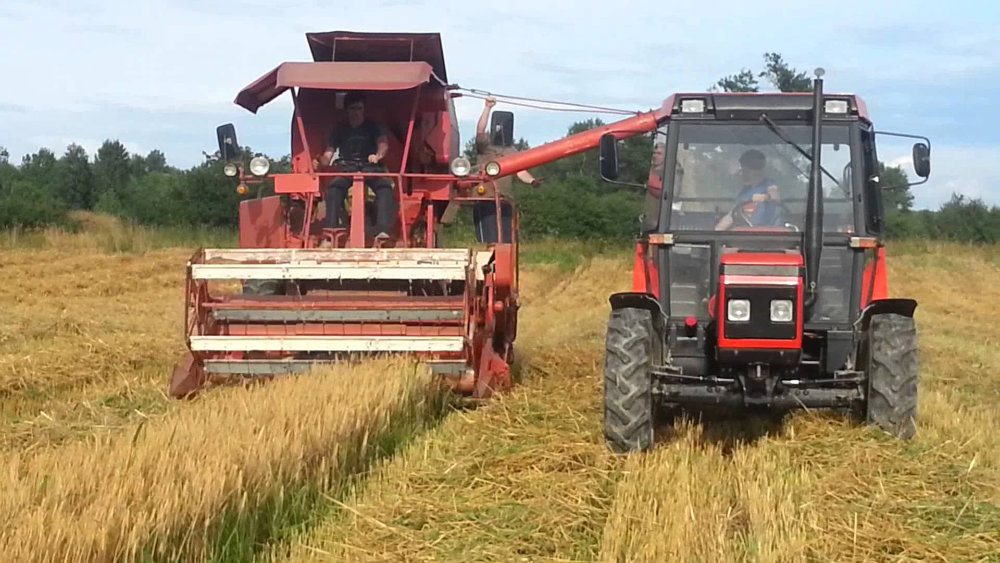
[358,464]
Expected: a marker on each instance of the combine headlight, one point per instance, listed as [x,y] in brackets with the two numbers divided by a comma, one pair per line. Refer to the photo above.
[738,310]
[230,169]
[782,311]
[492,168]
[461,166]
[259,166]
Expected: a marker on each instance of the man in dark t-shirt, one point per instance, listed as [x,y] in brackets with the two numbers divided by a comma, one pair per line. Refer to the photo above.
[362,146]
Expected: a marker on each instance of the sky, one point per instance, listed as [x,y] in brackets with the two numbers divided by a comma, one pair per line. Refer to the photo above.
[162,75]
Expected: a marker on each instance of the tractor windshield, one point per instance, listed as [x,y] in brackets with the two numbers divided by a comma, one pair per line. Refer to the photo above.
[743,175]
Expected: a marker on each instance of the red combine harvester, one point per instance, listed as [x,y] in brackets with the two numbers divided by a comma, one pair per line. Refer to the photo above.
[297,293]
[760,272]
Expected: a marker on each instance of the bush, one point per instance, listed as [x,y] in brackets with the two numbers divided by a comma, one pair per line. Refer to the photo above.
[27,205]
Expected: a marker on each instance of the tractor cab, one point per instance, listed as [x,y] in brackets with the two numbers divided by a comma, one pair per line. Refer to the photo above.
[760,261]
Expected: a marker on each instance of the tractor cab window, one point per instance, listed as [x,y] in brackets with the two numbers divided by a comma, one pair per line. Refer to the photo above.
[654,184]
[744,176]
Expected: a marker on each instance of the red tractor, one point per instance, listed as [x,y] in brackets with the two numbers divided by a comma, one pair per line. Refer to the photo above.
[299,291]
[760,273]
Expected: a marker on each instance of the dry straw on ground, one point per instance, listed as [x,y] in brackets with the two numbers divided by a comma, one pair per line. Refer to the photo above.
[522,478]
[101,466]
[528,478]
[163,489]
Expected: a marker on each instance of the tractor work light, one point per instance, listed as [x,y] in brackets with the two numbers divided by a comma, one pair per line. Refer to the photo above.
[230,170]
[835,106]
[692,106]
[461,166]
[781,310]
[259,166]
[242,189]
[738,310]
[492,168]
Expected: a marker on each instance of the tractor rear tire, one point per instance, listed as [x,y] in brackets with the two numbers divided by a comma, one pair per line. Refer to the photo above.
[892,367]
[628,399]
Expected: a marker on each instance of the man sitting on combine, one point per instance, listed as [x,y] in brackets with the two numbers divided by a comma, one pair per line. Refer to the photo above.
[758,203]
[362,145]
[484,213]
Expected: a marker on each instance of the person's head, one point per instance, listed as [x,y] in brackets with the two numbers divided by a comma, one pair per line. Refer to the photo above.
[752,166]
[354,104]
[659,153]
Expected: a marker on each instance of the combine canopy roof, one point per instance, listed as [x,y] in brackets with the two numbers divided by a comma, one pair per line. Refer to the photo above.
[334,76]
[351,46]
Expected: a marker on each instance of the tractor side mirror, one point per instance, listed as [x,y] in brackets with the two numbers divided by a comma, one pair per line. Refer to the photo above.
[229,148]
[922,160]
[609,157]
[502,128]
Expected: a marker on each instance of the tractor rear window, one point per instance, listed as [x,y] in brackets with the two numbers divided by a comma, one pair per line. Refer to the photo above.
[745,176]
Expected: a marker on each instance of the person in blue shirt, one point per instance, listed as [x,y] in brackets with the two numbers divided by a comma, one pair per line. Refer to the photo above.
[758,203]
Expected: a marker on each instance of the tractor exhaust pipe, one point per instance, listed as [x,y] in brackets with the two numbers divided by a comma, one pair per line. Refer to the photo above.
[814,203]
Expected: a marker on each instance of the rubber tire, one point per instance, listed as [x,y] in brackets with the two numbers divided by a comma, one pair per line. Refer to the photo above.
[892,368]
[628,399]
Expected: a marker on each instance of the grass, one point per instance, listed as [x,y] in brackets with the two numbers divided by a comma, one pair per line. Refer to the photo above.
[99,465]
[87,231]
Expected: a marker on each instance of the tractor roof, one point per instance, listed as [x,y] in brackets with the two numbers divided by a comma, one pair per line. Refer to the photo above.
[335,76]
[733,105]
[349,46]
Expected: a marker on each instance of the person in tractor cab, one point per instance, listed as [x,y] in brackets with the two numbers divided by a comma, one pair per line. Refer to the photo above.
[362,144]
[484,213]
[655,181]
[758,203]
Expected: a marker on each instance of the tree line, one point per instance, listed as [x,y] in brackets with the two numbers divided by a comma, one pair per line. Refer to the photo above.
[573,202]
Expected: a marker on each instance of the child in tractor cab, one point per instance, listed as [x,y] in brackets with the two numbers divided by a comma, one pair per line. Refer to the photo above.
[363,145]
[758,203]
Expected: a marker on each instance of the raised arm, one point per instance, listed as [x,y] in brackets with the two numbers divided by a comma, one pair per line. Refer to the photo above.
[482,138]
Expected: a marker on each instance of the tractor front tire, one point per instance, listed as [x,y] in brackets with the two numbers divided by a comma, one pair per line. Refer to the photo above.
[892,367]
[628,399]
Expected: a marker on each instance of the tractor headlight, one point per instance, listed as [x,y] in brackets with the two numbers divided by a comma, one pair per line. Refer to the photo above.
[230,170]
[738,310]
[492,168]
[781,310]
[259,165]
[461,166]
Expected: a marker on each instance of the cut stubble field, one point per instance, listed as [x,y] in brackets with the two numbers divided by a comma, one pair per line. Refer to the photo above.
[368,462]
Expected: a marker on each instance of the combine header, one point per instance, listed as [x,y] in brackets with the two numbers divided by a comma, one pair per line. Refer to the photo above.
[300,291]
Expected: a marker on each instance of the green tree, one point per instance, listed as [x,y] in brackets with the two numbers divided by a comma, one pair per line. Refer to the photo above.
[75,179]
[4,155]
[743,81]
[112,170]
[39,168]
[776,71]
[784,77]
[896,195]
